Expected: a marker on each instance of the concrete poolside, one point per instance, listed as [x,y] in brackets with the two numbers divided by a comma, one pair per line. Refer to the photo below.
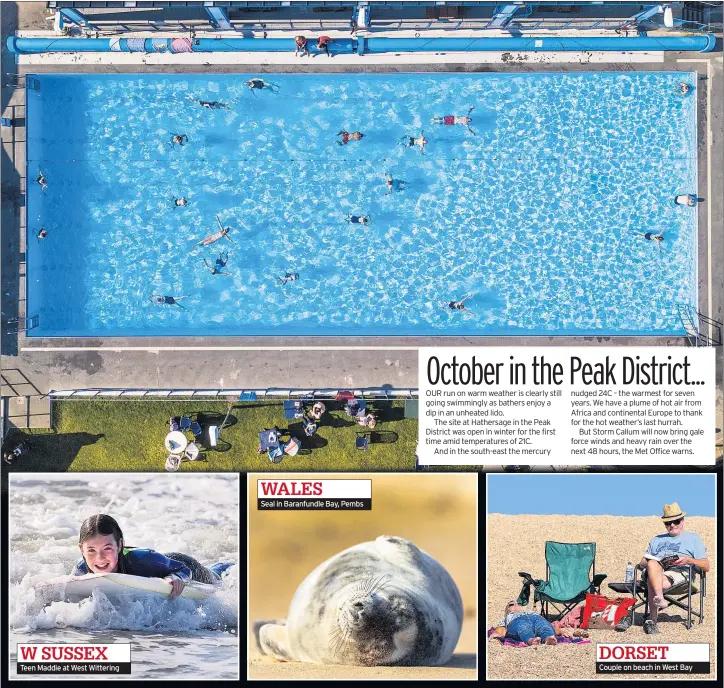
[317,361]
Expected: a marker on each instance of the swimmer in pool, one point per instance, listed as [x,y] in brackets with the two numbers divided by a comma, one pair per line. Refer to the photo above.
[393,184]
[42,233]
[682,88]
[289,277]
[41,181]
[103,550]
[449,120]
[411,141]
[180,139]
[260,85]
[212,104]
[219,265]
[180,202]
[656,238]
[459,304]
[167,300]
[347,137]
[358,219]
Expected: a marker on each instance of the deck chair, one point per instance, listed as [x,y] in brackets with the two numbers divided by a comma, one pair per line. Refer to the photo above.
[195,429]
[362,441]
[568,578]
[293,409]
[310,426]
[675,595]
[355,408]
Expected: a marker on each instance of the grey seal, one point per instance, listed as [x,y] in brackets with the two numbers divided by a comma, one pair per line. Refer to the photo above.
[381,603]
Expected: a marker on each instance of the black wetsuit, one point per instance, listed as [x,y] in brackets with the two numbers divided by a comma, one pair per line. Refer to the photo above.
[151,564]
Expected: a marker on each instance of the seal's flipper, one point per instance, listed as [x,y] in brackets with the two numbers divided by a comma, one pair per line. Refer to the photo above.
[264,622]
[274,641]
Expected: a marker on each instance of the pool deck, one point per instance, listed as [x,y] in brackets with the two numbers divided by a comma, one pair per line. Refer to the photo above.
[301,362]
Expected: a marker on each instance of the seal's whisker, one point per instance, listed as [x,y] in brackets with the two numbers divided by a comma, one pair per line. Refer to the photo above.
[339,637]
[380,584]
[371,584]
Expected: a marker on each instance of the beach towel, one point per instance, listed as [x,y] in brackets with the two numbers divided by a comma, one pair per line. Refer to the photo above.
[159,45]
[574,619]
[181,45]
[509,642]
[136,45]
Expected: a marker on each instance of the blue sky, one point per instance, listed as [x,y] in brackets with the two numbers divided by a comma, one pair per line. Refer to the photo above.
[598,494]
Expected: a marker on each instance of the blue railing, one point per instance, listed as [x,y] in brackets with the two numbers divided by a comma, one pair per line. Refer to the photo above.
[700,43]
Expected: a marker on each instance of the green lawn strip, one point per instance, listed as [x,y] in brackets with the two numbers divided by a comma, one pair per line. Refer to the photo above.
[128,435]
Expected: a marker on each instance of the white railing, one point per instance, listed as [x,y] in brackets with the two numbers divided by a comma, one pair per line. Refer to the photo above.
[236,394]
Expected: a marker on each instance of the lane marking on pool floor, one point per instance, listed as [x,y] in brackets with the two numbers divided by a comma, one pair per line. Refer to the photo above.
[709,142]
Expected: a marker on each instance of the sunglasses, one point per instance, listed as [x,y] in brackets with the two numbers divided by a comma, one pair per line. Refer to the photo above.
[509,605]
[674,523]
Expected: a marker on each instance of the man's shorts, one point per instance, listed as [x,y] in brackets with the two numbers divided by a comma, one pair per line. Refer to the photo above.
[676,577]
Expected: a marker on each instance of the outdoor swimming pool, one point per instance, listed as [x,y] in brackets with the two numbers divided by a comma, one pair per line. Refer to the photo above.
[540,214]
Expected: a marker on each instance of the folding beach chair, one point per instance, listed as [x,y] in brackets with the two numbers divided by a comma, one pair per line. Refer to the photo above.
[569,567]
[362,441]
[675,595]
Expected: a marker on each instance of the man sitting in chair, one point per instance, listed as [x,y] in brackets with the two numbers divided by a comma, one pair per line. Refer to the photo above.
[673,548]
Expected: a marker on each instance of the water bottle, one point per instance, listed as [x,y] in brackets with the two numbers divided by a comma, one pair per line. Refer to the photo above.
[629,572]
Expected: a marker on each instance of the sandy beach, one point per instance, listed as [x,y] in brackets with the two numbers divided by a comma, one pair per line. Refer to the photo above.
[437,513]
[516,543]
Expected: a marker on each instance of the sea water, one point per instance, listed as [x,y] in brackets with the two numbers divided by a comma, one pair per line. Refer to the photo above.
[196,515]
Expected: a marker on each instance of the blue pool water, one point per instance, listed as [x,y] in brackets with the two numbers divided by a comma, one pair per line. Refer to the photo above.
[540,215]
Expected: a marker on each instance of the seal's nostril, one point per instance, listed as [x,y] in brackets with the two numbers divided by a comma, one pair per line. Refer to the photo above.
[358,605]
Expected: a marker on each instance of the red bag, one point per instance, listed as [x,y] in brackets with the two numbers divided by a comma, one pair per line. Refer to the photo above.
[603,613]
